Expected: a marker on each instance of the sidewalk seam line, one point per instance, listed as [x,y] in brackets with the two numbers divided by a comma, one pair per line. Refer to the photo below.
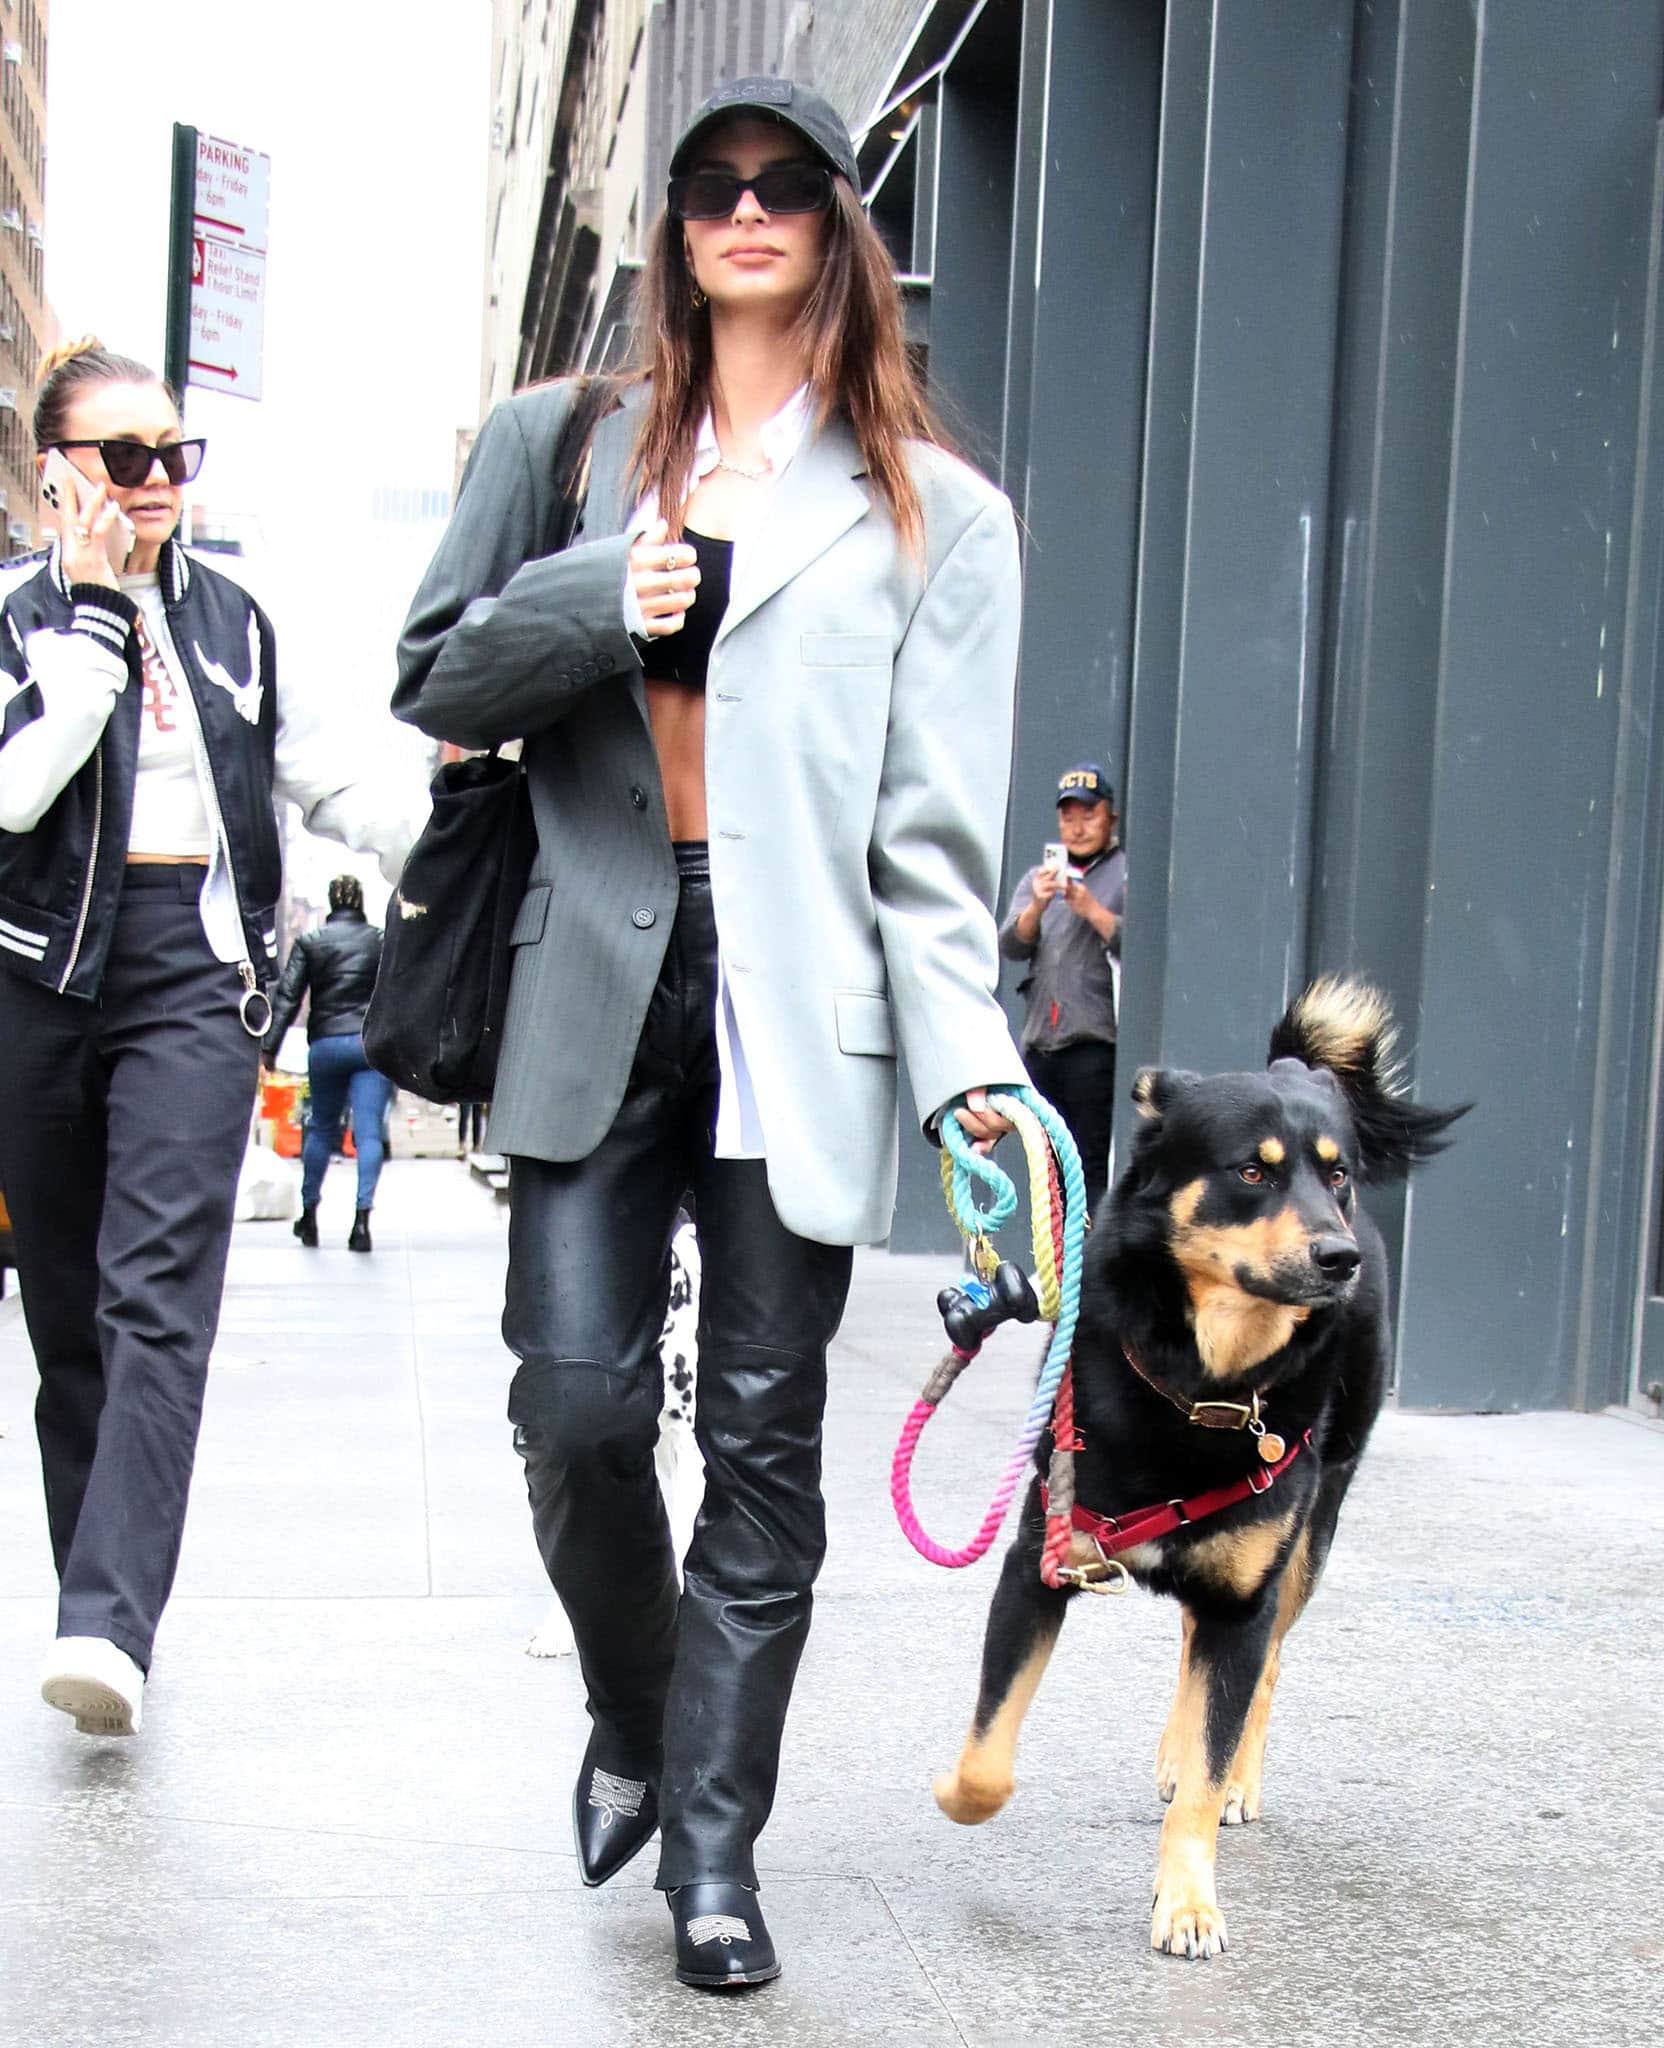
[919,1963]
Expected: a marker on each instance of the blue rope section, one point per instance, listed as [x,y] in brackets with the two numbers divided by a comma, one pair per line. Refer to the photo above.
[973,1221]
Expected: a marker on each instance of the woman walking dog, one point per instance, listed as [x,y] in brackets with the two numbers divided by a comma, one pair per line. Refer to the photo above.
[769,826]
[143,737]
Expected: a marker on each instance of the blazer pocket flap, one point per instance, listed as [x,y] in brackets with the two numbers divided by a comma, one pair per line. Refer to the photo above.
[864,1022]
[531,917]
[845,650]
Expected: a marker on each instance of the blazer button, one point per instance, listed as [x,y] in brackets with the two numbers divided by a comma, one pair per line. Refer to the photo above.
[643,918]
[638,796]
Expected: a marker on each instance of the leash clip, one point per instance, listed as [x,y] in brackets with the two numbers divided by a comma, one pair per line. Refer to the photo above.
[1109,1575]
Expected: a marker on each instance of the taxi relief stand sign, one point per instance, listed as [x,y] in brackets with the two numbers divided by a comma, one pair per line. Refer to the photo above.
[217,264]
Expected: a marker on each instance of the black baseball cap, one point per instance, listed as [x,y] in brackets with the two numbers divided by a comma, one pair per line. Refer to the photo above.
[773,99]
[1085,783]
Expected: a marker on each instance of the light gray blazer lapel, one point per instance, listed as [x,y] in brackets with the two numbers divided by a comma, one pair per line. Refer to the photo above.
[815,502]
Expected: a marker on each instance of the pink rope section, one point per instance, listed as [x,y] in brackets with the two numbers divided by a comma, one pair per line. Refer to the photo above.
[901,1493]
[1059,1529]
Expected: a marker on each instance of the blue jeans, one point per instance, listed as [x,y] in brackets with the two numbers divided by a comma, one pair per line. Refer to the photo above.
[338,1070]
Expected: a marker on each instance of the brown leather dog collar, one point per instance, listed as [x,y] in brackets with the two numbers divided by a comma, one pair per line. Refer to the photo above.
[1214,1414]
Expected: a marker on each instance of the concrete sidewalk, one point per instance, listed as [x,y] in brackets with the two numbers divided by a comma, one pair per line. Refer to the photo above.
[346,1818]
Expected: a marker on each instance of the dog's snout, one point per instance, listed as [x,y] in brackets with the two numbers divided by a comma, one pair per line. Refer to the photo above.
[1336,1258]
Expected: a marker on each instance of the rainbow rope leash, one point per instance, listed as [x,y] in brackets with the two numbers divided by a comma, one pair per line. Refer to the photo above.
[1057,1199]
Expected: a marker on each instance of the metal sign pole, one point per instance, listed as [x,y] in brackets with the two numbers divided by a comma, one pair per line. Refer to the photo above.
[176,354]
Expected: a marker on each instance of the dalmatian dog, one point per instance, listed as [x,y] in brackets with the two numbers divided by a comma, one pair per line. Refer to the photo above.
[681,1469]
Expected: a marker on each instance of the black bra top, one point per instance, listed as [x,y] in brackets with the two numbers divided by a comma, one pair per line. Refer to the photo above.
[684,657]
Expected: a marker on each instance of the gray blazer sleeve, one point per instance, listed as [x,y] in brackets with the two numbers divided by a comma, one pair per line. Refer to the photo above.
[502,636]
[940,817]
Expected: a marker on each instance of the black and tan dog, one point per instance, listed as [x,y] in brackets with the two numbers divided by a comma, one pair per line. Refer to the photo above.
[1233,1325]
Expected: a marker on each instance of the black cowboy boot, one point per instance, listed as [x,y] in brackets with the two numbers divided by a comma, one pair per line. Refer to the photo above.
[614,1813]
[722,1941]
[358,1238]
[306,1226]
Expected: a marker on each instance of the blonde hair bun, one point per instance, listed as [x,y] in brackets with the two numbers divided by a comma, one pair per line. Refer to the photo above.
[66,352]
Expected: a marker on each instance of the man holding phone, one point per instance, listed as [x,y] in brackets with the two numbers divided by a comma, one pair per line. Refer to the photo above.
[1065,923]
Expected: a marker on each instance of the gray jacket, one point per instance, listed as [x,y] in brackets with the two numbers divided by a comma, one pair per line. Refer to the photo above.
[1069,989]
[858,741]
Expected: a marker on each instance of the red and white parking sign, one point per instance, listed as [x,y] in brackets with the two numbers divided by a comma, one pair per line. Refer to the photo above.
[228,267]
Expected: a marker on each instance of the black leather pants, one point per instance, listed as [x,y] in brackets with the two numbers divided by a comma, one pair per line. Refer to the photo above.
[703,1680]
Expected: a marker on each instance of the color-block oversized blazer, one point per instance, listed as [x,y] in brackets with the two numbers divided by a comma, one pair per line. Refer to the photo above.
[859,714]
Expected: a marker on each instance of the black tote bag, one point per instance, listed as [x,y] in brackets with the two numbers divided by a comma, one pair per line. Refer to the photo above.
[435,1020]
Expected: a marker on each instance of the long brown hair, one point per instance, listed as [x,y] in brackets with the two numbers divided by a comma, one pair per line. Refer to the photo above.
[852,337]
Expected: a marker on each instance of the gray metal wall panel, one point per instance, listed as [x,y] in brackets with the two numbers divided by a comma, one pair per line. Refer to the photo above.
[977,142]
[1621,1208]
[1074,432]
[1255,442]
[1413,69]
[1175,295]
[1552,322]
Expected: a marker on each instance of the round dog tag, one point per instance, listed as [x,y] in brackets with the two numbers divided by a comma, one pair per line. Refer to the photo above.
[1272,1447]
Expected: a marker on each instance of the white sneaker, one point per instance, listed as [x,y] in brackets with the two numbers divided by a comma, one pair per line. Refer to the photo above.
[96,1682]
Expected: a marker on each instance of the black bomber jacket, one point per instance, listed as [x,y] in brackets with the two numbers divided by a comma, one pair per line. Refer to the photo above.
[336,966]
[60,871]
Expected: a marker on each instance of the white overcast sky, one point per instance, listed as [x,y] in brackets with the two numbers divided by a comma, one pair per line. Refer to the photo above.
[376,118]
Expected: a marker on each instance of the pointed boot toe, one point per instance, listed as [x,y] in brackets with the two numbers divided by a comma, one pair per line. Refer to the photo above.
[614,1815]
[722,1941]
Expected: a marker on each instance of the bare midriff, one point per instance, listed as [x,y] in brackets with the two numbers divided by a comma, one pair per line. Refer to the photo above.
[677,716]
[167,860]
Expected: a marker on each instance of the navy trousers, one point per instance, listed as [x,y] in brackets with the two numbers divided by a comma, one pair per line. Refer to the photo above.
[123,1123]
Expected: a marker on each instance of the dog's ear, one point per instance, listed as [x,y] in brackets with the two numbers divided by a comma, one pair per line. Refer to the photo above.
[1155,1090]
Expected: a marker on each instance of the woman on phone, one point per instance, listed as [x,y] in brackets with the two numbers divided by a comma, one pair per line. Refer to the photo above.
[143,740]
[769,825]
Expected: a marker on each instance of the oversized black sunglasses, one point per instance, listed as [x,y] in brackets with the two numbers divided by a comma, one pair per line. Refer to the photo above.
[129,463]
[781,188]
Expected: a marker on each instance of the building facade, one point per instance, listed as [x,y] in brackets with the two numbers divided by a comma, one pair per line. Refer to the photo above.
[24,323]
[1318,347]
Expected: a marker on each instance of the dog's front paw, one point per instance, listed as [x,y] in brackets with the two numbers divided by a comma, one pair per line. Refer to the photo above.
[965,1796]
[1186,1921]
[1243,1798]
[553,1635]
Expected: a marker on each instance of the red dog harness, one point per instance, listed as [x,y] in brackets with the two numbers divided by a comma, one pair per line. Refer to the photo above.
[1145,1525]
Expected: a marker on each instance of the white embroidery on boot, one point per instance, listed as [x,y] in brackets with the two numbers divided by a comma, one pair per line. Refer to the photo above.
[615,1798]
[721,1927]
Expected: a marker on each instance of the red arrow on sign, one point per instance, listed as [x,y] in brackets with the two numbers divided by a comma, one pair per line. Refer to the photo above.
[217,369]
[230,226]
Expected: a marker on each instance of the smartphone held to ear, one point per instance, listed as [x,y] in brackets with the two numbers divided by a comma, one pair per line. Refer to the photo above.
[63,487]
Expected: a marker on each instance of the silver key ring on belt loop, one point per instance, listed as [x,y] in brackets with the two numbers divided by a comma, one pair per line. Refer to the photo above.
[252,994]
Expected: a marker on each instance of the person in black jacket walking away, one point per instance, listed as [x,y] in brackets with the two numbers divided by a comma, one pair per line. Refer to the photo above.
[337,967]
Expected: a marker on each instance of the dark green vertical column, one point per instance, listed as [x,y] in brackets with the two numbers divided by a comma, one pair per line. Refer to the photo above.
[1232,575]
[1553,312]
[1080,303]
[181,223]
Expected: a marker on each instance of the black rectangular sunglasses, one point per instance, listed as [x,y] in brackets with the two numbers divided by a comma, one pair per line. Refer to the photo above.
[781,188]
[129,463]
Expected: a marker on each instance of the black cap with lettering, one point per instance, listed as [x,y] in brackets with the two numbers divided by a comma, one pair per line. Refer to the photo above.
[772,99]
[1085,783]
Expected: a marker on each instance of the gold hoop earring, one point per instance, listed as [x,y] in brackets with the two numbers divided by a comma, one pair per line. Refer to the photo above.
[697,298]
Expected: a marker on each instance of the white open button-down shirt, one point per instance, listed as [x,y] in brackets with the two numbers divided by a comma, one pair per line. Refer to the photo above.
[739,1132]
